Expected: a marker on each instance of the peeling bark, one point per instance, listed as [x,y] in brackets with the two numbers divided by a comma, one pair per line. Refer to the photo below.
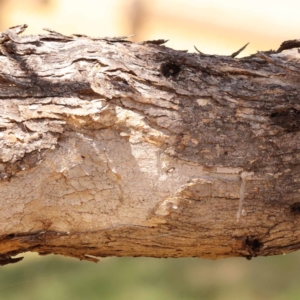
[113,148]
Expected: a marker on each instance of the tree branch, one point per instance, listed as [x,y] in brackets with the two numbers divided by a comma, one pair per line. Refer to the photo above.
[134,149]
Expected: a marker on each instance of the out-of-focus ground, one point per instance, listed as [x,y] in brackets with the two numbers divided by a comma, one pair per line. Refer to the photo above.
[60,278]
[215,27]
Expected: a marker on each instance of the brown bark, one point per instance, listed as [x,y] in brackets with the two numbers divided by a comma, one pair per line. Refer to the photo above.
[134,149]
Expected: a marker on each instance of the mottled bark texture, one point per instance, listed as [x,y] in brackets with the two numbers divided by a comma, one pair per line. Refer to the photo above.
[113,148]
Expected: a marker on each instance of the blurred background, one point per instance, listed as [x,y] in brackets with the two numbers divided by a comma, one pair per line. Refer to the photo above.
[61,278]
[215,27]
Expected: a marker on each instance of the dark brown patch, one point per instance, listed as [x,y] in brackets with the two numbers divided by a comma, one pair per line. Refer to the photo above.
[253,245]
[10,236]
[288,119]
[170,69]
[295,208]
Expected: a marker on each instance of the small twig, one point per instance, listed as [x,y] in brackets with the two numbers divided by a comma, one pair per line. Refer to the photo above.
[234,54]
[271,61]
[199,50]
[266,58]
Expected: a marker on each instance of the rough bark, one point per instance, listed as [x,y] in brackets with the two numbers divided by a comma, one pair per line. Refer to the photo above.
[113,148]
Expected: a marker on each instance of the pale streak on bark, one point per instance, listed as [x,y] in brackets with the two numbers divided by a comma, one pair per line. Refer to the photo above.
[244,177]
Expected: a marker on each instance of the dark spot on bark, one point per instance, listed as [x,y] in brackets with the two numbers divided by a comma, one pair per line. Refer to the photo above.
[295,208]
[253,245]
[225,153]
[288,119]
[10,236]
[170,69]
[119,80]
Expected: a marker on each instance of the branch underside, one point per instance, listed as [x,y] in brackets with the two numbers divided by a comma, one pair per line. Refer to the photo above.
[113,148]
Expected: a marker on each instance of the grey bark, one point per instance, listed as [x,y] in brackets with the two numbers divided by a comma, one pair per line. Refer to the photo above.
[113,148]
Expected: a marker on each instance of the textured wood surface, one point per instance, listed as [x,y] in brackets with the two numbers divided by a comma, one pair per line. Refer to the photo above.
[113,148]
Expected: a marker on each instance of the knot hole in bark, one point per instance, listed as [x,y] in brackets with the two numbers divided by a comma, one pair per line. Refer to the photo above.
[170,69]
[288,119]
[295,208]
[253,245]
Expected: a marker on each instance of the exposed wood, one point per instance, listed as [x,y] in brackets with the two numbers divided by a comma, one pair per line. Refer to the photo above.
[110,147]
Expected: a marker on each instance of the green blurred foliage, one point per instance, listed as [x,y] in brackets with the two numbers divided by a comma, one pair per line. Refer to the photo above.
[55,278]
